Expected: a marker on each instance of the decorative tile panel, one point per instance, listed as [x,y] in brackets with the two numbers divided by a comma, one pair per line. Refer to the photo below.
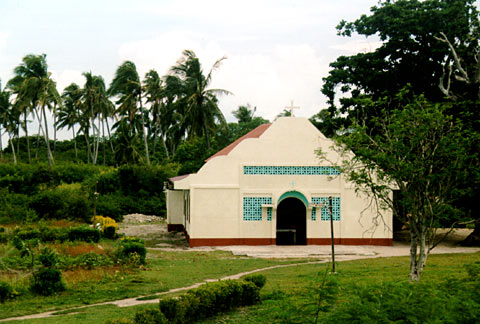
[290,170]
[325,215]
[252,208]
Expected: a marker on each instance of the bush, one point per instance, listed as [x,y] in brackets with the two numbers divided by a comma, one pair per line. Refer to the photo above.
[150,316]
[110,232]
[171,308]
[5,291]
[209,300]
[62,203]
[48,257]
[259,280]
[129,249]
[84,233]
[47,281]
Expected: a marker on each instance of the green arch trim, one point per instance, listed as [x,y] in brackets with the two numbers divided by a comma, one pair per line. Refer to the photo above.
[293,194]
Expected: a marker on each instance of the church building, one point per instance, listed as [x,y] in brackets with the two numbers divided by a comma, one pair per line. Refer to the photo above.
[270,188]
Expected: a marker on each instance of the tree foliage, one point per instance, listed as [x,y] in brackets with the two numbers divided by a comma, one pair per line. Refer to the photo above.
[411,53]
[417,149]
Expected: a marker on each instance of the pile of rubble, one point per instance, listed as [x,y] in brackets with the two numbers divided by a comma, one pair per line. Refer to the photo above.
[140,218]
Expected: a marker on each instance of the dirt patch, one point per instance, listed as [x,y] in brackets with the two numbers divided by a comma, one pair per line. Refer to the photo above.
[153,230]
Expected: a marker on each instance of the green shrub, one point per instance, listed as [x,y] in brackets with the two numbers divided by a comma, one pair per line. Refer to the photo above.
[71,173]
[259,280]
[150,316]
[209,300]
[15,208]
[47,281]
[110,232]
[5,291]
[250,293]
[127,249]
[48,257]
[171,308]
[62,203]
[84,233]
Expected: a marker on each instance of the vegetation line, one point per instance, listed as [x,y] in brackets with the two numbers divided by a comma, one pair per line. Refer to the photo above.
[134,300]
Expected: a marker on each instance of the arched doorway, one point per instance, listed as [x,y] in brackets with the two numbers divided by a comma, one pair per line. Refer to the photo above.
[291,222]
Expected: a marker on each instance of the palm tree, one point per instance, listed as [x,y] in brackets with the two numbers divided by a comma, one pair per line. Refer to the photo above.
[126,86]
[200,108]
[34,88]
[244,114]
[155,94]
[4,108]
[9,119]
[69,113]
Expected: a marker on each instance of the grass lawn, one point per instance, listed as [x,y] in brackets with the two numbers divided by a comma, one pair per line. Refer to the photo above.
[290,293]
[165,270]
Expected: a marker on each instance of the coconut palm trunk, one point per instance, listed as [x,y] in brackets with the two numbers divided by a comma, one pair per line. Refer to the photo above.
[147,156]
[26,135]
[46,137]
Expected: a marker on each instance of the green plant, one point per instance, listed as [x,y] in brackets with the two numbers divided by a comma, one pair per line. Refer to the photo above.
[150,316]
[171,308]
[47,281]
[110,232]
[5,291]
[84,233]
[48,257]
[129,249]
[259,280]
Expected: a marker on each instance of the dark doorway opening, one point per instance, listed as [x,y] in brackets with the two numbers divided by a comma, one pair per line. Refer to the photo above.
[291,222]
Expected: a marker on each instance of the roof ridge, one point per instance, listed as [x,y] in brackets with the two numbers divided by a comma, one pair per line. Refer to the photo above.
[254,133]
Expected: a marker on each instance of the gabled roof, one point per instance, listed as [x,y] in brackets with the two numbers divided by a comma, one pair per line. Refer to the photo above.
[255,133]
[177,178]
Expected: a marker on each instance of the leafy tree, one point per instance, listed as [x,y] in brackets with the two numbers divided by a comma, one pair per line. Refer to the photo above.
[417,149]
[413,51]
[433,46]
[194,101]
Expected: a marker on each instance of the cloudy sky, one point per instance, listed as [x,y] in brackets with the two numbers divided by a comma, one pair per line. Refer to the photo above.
[277,51]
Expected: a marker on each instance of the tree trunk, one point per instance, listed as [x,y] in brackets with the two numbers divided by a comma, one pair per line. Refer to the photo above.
[47,139]
[18,142]
[13,150]
[26,135]
[103,142]
[1,147]
[144,133]
[54,128]
[417,261]
[75,144]
[109,136]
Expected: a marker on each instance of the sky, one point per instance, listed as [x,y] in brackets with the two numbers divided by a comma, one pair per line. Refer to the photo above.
[276,51]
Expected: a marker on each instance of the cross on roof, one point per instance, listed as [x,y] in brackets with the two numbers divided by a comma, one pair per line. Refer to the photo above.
[291,108]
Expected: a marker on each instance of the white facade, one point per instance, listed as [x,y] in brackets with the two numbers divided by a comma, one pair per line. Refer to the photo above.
[269,188]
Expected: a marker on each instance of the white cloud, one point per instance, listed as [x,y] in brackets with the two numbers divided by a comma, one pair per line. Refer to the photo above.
[268,81]
[3,39]
[358,46]
[66,77]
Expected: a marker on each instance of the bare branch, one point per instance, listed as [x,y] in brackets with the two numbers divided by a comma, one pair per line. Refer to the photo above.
[464,76]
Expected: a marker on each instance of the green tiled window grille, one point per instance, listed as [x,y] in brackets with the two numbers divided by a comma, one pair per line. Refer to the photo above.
[290,170]
[252,208]
[325,215]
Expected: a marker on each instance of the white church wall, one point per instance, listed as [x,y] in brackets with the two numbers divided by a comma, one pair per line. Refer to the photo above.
[175,212]
[215,213]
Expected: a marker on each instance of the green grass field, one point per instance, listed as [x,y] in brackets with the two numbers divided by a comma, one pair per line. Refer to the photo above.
[290,295]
